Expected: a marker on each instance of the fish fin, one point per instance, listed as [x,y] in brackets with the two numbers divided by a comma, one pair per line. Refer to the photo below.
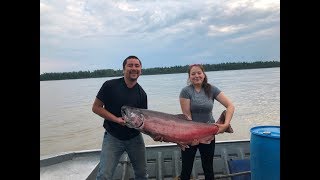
[222,117]
[182,116]
[221,121]
[229,129]
[183,146]
[207,140]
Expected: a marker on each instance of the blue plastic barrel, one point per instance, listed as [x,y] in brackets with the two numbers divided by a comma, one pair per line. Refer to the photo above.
[265,153]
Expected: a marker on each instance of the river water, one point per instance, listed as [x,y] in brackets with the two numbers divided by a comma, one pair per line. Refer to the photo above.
[68,124]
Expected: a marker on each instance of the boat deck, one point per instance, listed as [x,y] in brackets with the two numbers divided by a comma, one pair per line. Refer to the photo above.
[163,162]
[71,166]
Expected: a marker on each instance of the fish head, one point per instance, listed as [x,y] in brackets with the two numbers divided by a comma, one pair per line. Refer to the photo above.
[132,116]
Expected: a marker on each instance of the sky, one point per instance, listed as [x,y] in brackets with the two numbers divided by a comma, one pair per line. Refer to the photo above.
[88,35]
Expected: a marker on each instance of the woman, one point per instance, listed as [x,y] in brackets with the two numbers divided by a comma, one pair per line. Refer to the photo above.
[196,101]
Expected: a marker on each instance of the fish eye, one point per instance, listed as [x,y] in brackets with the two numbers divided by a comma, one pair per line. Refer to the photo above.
[123,112]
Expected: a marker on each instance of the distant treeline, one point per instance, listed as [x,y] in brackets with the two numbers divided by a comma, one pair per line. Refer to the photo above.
[158,70]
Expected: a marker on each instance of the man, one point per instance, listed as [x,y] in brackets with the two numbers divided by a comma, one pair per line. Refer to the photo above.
[118,138]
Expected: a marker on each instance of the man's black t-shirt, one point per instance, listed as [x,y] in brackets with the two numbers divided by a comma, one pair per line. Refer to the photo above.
[114,94]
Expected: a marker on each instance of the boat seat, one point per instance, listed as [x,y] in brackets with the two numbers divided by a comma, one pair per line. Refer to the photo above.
[241,167]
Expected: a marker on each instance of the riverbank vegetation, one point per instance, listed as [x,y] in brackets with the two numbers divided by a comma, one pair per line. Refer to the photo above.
[158,70]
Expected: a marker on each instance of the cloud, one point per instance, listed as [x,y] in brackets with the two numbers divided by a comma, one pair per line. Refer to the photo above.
[88,32]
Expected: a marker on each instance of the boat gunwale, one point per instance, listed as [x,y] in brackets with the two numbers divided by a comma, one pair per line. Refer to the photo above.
[48,160]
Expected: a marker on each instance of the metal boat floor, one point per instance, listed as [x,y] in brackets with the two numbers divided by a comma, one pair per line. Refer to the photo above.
[76,167]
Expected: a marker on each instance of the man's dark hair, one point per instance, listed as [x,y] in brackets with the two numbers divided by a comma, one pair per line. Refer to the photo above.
[130,57]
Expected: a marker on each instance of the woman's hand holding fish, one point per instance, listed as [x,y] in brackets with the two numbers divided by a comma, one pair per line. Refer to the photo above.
[222,128]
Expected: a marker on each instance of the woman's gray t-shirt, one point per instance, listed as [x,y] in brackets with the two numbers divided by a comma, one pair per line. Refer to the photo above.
[200,105]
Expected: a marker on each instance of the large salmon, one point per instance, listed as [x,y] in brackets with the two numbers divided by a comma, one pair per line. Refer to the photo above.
[172,128]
